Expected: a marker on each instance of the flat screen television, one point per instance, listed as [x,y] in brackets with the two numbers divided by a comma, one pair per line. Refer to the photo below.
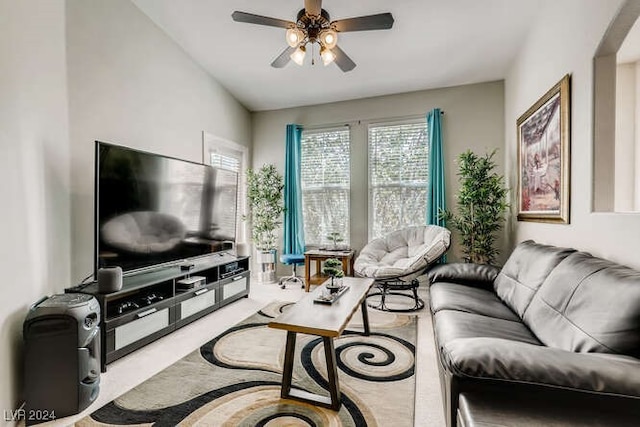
[153,210]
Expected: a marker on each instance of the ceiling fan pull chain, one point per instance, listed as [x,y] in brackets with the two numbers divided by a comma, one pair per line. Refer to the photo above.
[313,54]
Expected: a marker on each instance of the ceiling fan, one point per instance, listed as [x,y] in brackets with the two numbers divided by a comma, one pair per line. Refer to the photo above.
[313,25]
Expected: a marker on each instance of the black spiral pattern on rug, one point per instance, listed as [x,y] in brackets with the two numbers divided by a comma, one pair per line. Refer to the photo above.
[113,414]
[206,351]
[281,310]
[171,415]
[208,354]
[270,418]
[363,357]
[312,371]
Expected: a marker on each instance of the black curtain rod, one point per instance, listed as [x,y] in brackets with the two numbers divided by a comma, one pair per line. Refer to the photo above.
[359,121]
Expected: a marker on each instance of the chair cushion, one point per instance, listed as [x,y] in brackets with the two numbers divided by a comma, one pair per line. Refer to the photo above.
[453,296]
[527,267]
[588,304]
[292,259]
[402,251]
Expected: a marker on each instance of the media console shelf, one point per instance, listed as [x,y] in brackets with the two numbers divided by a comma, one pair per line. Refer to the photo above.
[152,304]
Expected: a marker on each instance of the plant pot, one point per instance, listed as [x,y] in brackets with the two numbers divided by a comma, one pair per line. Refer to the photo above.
[266,257]
[266,261]
[334,285]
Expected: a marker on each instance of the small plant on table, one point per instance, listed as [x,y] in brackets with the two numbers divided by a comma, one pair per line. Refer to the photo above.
[335,238]
[333,268]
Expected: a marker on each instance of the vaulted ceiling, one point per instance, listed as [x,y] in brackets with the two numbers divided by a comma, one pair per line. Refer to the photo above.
[432,44]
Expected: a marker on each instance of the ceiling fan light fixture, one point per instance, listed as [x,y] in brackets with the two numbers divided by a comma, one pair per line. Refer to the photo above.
[294,36]
[327,56]
[329,38]
[298,55]
[314,25]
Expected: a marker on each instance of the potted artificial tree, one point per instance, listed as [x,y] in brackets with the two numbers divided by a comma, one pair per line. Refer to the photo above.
[482,204]
[334,237]
[333,268]
[264,192]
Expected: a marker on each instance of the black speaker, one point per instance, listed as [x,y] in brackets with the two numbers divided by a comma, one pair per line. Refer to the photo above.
[109,280]
[61,357]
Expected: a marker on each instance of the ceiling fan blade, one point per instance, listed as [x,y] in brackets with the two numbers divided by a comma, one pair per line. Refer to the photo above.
[250,18]
[313,7]
[283,58]
[342,60]
[382,21]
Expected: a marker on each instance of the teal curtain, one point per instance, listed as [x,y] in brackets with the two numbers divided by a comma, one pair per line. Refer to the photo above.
[293,223]
[436,189]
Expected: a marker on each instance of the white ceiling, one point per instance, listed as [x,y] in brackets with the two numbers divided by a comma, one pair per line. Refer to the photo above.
[433,43]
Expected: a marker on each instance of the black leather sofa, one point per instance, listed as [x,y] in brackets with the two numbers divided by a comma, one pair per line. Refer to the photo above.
[553,325]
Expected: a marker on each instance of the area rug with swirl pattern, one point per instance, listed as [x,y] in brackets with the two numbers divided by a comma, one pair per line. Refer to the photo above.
[234,379]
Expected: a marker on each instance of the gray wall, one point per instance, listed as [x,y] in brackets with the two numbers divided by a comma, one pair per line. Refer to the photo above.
[34,171]
[72,72]
[130,84]
[474,118]
[565,42]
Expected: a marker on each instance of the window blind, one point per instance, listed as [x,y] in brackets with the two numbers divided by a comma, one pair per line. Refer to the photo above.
[398,176]
[325,180]
[230,161]
[224,157]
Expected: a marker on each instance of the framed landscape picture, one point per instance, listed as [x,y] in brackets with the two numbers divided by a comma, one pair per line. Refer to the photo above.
[543,158]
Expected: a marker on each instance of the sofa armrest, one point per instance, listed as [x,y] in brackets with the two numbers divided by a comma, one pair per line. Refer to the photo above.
[479,275]
[499,359]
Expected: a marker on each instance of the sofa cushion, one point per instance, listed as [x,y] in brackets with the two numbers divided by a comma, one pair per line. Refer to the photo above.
[521,362]
[454,296]
[588,304]
[525,270]
[452,325]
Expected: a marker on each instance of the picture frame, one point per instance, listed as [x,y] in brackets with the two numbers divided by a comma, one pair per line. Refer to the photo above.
[543,157]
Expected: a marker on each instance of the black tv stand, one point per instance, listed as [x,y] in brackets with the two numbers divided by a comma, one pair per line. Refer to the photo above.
[150,305]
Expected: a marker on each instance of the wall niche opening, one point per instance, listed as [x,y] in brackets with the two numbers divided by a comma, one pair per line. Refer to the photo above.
[616,114]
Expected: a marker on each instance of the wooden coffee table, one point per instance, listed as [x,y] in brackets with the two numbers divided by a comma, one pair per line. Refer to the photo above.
[327,321]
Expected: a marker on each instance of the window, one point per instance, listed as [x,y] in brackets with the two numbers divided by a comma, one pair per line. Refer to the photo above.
[231,156]
[231,160]
[325,169]
[398,176]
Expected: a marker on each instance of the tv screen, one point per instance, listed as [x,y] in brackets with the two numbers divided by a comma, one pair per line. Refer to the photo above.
[153,209]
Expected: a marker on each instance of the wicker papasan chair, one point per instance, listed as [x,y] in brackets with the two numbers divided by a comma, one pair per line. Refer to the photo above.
[397,259]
